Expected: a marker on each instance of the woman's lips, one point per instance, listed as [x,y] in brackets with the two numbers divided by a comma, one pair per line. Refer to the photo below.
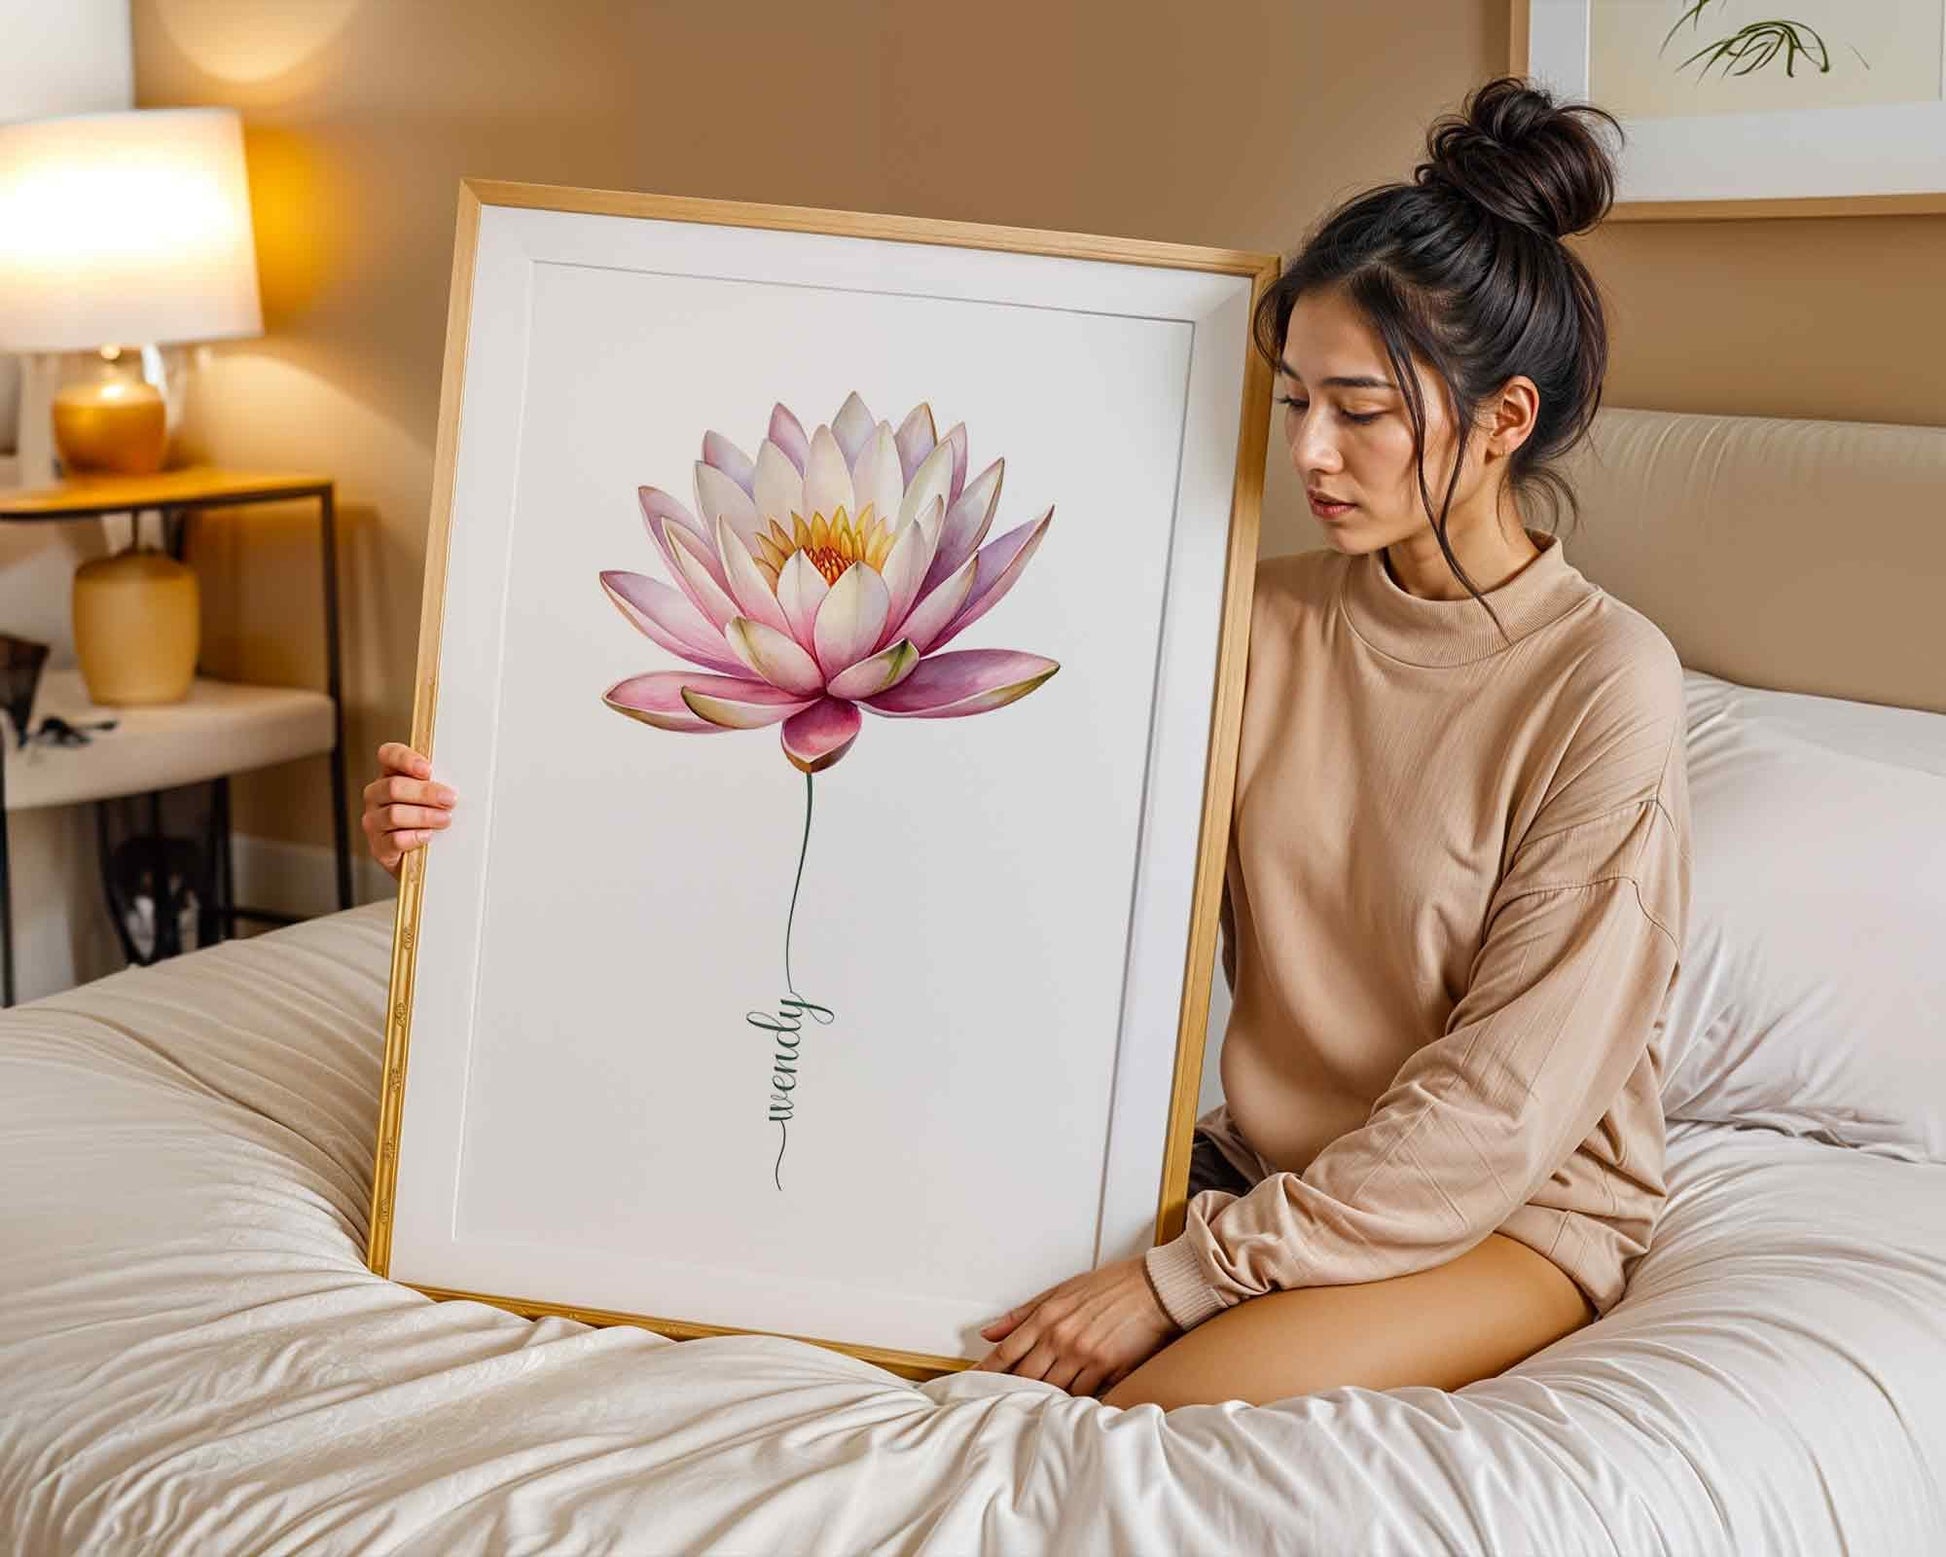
[1328,510]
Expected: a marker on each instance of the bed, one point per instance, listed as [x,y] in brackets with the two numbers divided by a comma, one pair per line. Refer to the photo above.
[193,1357]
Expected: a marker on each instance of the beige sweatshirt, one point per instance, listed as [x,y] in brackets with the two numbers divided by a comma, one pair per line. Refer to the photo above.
[1458,878]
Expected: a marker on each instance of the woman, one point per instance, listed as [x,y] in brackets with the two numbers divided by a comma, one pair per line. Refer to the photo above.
[1458,870]
[1458,874]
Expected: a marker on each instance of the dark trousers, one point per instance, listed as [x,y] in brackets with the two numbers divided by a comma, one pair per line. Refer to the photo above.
[1210,1169]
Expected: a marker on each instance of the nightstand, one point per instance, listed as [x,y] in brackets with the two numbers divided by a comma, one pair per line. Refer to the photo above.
[221,728]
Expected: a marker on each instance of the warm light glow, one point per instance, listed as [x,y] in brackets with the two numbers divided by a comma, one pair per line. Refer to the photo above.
[249,41]
[125,227]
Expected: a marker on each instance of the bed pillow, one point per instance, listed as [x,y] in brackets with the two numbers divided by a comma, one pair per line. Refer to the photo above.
[1812,994]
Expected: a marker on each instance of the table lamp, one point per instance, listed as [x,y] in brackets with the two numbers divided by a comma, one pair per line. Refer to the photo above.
[123,230]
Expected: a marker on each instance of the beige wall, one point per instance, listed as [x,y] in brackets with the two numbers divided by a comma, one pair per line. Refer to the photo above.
[1229,123]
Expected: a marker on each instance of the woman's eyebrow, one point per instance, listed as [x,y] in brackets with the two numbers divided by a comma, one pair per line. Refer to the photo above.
[1357,381]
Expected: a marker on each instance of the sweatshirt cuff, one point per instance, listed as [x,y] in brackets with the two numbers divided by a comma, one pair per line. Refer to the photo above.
[1176,1275]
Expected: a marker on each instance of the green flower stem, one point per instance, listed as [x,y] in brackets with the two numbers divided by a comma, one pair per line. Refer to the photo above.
[785,1024]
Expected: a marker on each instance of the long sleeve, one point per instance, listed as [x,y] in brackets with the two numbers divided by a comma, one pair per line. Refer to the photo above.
[1567,992]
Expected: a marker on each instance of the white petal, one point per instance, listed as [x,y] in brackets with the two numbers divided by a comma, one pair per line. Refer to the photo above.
[779,659]
[779,488]
[748,587]
[908,561]
[875,478]
[800,591]
[851,618]
[719,497]
[827,479]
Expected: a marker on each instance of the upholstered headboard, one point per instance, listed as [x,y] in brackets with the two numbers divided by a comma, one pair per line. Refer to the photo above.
[1802,555]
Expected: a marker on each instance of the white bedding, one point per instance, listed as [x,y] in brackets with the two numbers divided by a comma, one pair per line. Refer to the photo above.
[193,1358]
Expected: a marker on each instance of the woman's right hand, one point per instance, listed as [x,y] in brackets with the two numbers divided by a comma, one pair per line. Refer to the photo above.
[403,806]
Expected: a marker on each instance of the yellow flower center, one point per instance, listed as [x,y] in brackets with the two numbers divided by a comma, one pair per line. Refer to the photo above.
[831,545]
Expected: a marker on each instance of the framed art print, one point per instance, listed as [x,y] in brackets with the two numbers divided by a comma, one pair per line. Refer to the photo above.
[1735,108]
[834,629]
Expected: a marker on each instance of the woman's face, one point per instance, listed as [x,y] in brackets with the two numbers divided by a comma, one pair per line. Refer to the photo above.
[1350,437]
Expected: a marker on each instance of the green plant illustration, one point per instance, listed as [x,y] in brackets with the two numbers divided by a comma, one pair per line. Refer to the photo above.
[1755,44]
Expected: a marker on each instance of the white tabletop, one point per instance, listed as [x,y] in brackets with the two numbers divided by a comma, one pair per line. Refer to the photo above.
[221,727]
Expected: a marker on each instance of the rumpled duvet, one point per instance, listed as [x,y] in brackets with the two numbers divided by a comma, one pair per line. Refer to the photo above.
[194,1359]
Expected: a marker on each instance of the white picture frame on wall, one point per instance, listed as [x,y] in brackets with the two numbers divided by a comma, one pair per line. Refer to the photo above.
[1738,108]
[834,629]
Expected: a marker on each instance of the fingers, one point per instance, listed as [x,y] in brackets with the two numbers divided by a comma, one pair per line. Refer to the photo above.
[994,1329]
[393,818]
[404,805]
[397,757]
[388,840]
[1021,1339]
[396,786]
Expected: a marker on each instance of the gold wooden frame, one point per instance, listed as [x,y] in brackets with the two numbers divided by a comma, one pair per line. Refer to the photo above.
[1220,772]
[1920,204]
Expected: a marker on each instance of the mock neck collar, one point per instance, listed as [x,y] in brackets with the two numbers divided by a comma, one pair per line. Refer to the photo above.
[1454,632]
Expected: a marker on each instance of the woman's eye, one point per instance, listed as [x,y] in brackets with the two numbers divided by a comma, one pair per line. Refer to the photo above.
[1299,405]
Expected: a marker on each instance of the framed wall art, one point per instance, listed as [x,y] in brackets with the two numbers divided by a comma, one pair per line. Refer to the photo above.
[1738,108]
[834,629]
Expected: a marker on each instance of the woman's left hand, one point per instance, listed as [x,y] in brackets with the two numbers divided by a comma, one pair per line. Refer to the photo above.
[1083,1334]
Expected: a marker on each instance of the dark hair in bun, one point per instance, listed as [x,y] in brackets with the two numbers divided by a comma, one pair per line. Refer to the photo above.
[1463,269]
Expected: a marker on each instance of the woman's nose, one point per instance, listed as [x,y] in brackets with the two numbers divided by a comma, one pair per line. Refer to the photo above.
[1311,450]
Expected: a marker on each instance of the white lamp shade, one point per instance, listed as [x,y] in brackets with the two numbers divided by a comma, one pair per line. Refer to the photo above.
[125,229]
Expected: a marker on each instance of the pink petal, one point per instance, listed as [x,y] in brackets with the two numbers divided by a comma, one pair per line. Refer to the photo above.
[697,570]
[933,479]
[656,698]
[915,439]
[660,509]
[728,458]
[966,523]
[956,436]
[821,734]
[935,612]
[731,703]
[967,681]
[879,673]
[787,432]
[1000,563]
[850,618]
[667,617]
[774,656]
[852,426]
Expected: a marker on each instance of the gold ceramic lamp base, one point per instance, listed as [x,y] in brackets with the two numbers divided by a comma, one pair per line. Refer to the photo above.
[137,625]
[112,423]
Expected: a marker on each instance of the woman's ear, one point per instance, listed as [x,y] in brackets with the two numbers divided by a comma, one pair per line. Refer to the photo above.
[1513,416]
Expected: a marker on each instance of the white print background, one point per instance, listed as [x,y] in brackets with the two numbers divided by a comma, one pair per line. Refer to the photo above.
[965,903]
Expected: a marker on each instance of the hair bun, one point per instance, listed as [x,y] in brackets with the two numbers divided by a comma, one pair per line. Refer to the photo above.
[1524,157]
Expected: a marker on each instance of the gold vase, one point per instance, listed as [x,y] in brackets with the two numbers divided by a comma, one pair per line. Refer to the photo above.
[111,421]
[137,626]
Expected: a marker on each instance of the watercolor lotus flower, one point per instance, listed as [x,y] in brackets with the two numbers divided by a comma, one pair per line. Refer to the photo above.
[823,576]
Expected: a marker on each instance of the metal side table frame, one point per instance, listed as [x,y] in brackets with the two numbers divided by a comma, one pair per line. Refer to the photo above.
[177,495]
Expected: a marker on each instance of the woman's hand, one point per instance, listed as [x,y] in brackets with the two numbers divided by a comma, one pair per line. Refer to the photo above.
[1083,1334]
[403,806]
